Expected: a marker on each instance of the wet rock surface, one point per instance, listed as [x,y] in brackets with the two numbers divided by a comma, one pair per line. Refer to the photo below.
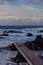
[1,37]
[12,47]
[29,34]
[4,34]
[37,44]
[41,31]
[19,58]
[9,47]
[39,41]
[12,31]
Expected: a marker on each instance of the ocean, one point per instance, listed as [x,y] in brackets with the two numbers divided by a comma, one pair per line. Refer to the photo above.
[16,38]
[19,37]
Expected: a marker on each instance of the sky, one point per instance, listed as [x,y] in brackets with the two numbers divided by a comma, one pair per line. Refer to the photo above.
[17,12]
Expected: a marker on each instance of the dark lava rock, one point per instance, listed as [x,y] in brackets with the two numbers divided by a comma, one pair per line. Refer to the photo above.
[41,31]
[39,41]
[12,47]
[31,46]
[12,31]
[29,34]
[37,44]
[5,34]
[19,58]
[38,38]
[1,37]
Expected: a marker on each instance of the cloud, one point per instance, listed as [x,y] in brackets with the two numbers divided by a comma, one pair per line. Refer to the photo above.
[21,21]
[38,1]
[10,9]
[8,2]
[22,2]
[35,1]
[21,11]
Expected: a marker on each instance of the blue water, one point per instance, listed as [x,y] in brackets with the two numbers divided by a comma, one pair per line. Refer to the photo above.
[19,37]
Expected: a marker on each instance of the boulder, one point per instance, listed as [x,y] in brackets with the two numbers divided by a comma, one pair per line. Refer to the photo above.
[12,31]
[19,58]
[1,37]
[31,46]
[41,31]
[12,47]
[38,38]
[29,34]
[39,41]
[37,44]
[4,34]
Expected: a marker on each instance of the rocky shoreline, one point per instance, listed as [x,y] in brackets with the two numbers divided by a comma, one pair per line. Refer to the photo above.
[37,44]
[18,58]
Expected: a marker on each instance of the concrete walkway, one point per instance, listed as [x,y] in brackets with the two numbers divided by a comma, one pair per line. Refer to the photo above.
[30,57]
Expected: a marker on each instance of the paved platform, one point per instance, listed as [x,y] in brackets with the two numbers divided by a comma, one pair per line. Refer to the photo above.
[30,57]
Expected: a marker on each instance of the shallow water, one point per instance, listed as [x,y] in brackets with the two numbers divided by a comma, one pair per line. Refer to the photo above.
[5,56]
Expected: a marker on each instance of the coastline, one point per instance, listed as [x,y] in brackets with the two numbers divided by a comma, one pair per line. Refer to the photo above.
[10,51]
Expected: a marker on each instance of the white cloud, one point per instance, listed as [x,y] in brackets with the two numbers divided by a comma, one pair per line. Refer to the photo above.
[8,2]
[13,2]
[23,14]
[21,11]
[35,1]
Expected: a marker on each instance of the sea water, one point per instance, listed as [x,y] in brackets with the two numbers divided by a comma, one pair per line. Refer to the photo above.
[15,38]
[18,37]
